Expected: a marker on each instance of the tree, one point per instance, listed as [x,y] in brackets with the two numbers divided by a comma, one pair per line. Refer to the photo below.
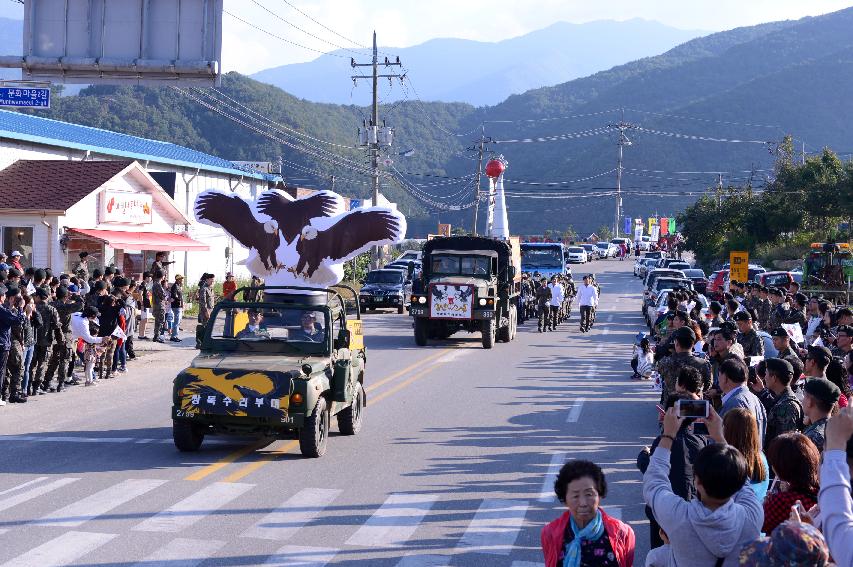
[569,234]
[604,233]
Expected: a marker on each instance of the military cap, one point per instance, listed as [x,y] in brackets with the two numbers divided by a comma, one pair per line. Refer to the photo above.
[777,291]
[779,367]
[779,332]
[823,390]
[41,292]
[742,316]
[820,354]
[109,270]
[120,282]
[684,333]
[13,291]
[715,307]
[729,325]
[14,272]
[61,292]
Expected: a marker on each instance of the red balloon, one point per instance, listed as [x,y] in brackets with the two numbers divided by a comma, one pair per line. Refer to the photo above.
[495,168]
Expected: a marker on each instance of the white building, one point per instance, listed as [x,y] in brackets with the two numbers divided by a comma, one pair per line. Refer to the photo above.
[129,198]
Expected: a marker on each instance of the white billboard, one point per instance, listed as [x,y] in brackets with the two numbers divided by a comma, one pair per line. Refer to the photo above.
[121,42]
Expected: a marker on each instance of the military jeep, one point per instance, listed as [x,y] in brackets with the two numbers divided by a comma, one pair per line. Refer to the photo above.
[278,363]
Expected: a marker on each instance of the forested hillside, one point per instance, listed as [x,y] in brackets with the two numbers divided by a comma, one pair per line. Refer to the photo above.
[706,106]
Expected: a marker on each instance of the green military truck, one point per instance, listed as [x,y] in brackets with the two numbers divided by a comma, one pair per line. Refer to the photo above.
[277,364]
[468,283]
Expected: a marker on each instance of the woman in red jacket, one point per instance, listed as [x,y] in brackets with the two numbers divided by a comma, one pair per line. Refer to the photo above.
[585,536]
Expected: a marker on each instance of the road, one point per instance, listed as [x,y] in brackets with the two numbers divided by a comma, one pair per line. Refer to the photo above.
[454,465]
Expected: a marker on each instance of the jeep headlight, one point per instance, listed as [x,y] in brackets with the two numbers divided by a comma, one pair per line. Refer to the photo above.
[482,302]
[422,300]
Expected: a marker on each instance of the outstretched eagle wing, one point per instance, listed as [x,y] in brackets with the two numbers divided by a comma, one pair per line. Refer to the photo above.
[351,235]
[236,217]
[294,214]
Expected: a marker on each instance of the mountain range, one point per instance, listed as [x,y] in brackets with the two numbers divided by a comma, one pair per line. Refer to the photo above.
[710,109]
[483,73]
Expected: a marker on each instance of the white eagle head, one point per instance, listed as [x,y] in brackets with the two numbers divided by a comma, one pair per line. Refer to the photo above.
[270,226]
[309,233]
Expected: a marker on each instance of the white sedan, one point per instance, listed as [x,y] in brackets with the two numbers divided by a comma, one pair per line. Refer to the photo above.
[576,255]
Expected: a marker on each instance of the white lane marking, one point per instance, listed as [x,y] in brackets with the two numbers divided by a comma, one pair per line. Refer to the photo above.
[606,331]
[68,439]
[35,492]
[24,485]
[546,494]
[293,555]
[146,440]
[599,348]
[415,560]
[182,552]
[575,412]
[613,511]
[395,521]
[194,507]
[610,318]
[452,355]
[99,503]
[495,527]
[293,514]
[526,564]
[62,550]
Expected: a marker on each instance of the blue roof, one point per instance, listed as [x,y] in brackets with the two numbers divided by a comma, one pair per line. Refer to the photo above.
[25,127]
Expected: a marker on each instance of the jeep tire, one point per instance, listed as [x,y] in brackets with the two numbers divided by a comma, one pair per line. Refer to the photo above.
[350,419]
[314,435]
[187,436]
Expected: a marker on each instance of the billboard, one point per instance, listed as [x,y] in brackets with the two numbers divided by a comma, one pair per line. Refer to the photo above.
[126,42]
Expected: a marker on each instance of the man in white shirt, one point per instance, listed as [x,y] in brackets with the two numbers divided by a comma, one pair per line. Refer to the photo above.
[588,300]
[556,303]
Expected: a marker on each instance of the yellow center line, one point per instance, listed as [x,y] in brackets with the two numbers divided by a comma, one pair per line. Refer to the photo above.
[253,466]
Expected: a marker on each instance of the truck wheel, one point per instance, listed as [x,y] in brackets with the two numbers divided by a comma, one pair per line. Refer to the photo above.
[314,435]
[489,329]
[421,331]
[505,333]
[400,309]
[188,436]
[349,420]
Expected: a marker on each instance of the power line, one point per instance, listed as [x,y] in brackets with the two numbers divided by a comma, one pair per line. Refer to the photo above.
[269,33]
[325,27]
[681,117]
[701,138]
[261,6]
[551,118]
[560,137]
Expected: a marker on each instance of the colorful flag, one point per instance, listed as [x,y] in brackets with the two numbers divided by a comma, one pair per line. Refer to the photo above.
[652,222]
[672,225]
[664,226]
[628,221]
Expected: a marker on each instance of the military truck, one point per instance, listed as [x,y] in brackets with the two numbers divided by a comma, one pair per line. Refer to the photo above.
[828,270]
[468,283]
[278,363]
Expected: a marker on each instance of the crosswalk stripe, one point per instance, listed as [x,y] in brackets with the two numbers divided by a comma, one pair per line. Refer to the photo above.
[547,492]
[575,411]
[395,521]
[35,492]
[194,507]
[62,550]
[293,514]
[495,526]
[294,555]
[182,552]
[99,503]
[23,485]
[415,560]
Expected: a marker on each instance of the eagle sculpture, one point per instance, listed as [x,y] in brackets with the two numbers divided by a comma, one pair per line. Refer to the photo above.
[299,241]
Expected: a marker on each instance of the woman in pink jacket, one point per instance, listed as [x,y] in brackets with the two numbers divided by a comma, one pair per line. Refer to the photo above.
[585,536]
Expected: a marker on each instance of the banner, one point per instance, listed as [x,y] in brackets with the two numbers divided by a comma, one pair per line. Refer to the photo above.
[638,233]
[672,229]
[448,301]
[655,233]
[739,266]
[652,222]
[664,226]
[628,222]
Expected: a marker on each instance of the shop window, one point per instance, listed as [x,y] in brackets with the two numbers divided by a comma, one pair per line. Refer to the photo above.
[19,238]
[77,244]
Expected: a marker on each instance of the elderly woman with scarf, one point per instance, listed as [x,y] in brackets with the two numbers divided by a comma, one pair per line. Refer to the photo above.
[585,536]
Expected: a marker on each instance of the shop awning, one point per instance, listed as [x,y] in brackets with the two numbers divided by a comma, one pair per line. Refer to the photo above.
[145,240]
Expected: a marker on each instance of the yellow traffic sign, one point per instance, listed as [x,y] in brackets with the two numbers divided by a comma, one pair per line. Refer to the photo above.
[739,266]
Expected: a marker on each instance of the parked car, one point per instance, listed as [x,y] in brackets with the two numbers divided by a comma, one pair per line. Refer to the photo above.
[661,272]
[679,265]
[666,262]
[607,249]
[645,243]
[753,272]
[643,265]
[697,276]
[576,255]
[654,254]
[591,251]
[626,241]
[775,279]
[657,289]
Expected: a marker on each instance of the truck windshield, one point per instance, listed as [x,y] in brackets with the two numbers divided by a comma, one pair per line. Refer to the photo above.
[454,265]
[384,277]
[258,327]
[541,257]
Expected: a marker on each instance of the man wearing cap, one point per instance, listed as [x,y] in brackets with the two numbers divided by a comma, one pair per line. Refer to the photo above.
[588,301]
[48,335]
[782,343]
[816,361]
[160,262]
[309,331]
[176,294]
[543,306]
[16,261]
[779,312]
[669,367]
[161,302]
[11,316]
[843,341]
[747,337]
[229,286]
[61,358]
[762,307]
[819,397]
[797,313]
[784,410]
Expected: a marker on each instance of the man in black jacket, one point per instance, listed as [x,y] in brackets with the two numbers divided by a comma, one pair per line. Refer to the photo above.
[109,307]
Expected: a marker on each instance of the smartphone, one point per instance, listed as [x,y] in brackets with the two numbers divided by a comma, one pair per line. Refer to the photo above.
[692,408]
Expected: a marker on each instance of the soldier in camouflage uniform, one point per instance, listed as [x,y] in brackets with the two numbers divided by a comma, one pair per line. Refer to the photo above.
[670,366]
[48,335]
[15,363]
[785,411]
[820,396]
[747,337]
[782,343]
[797,314]
[779,312]
[763,307]
[63,351]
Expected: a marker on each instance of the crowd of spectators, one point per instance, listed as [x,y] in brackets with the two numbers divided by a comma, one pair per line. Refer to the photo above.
[80,327]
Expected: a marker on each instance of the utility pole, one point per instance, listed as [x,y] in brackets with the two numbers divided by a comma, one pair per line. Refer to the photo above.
[623,141]
[482,144]
[719,191]
[373,137]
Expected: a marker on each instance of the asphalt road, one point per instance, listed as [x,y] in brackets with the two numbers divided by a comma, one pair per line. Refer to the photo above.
[454,465]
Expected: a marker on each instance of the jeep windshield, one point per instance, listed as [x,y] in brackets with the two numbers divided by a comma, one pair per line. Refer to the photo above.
[265,328]
[460,265]
[388,277]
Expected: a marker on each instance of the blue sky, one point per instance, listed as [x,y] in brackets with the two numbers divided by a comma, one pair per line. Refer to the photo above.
[408,22]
